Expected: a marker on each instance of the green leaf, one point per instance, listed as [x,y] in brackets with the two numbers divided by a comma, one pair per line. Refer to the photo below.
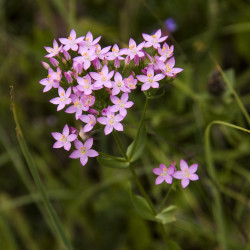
[135,149]
[112,162]
[141,206]
[166,215]
[173,245]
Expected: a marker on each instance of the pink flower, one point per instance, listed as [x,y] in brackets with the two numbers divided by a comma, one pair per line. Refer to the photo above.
[130,82]
[102,78]
[83,151]
[154,40]
[119,85]
[69,76]
[89,42]
[187,173]
[164,174]
[85,84]
[112,121]
[115,53]
[134,50]
[168,68]
[77,107]
[121,104]
[64,139]
[63,98]
[87,56]
[53,51]
[72,42]
[150,80]
[165,52]
[101,53]
[90,121]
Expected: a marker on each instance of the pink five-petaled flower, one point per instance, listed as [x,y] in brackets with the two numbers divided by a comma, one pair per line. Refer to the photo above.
[121,104]
[168,68]
[187,173]
[72,41]
[165,52]
[150,80]
[83,151]
[164,174]
[119,85]
[85,84]
[77,107]
[112,121]
[154,40]
[64,139]
[134,50]
[102,78]
[90,121]
[53,51]
[63,99]
[89,42]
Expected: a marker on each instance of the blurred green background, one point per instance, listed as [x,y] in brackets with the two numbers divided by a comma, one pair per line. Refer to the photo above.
[93,203]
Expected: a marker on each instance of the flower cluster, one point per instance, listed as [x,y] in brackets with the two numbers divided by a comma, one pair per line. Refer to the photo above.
[91,85]
[167,174]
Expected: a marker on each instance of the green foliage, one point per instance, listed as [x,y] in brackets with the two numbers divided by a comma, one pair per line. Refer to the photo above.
[92,202]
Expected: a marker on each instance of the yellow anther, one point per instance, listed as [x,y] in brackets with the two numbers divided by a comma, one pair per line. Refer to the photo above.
[131,47]
[164,48]
[83,150]
[164,169]
[154,36]
[76,103]
[87,39]
[149,75]
[70,38]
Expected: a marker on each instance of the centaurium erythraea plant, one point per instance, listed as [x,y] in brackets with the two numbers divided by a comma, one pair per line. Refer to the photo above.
[96,90]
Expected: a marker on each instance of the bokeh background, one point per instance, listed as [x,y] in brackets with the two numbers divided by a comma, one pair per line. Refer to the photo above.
[92,202]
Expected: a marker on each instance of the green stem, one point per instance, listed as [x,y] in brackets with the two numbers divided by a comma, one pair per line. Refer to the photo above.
[31,164]
[137,180]
[236,96]
[166,196]
[140,126]
[119,143]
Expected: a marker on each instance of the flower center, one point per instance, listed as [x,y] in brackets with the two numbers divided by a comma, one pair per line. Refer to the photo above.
[83,150]
[64,138]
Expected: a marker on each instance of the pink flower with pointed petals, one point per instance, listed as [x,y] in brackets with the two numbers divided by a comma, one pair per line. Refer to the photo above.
[121,104]
[102,78]
[77,107]
[112,121]
[101,53]
[134,50]
[64,139]
[164,174]
[72,42]
[116,55]
[85,84]
[150,80]
[187,173]
[130,82]
[166,52]
[83,151]
[168,67]
[87,56]
[63,99]
[53,51]
[154,40]
[89,42]
[90,121]
[119,85]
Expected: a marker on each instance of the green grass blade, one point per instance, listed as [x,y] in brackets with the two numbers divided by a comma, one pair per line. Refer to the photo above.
[31,164]
[218,209]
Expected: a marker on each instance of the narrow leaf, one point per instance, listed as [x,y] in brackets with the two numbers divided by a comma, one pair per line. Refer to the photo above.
[135,149]
[111,161]
[166,215]
[141,206]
